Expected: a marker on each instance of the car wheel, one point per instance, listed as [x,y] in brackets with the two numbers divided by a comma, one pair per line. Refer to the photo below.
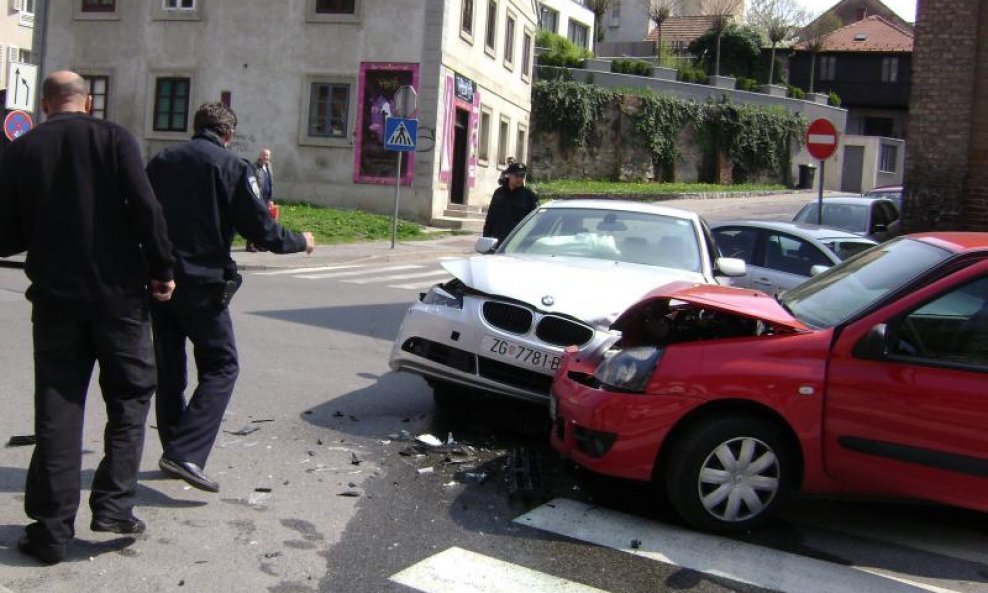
[729,474]
[449,395]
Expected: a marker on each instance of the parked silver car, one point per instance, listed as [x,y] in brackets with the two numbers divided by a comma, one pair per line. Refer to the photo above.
[781,255]
[562,276]
[875,218]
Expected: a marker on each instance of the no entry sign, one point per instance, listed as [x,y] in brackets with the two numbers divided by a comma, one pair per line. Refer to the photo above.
[821,139]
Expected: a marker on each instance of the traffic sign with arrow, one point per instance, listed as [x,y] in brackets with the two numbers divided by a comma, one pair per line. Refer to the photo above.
[22,84]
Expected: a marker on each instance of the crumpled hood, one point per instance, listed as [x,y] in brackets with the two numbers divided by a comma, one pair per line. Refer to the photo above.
[595,291]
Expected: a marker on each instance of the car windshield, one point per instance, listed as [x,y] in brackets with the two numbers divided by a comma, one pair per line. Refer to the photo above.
[848,288]
[849,217]
[844,248]
[600,233]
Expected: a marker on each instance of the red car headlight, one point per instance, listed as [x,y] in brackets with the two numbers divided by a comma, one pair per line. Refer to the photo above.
[628,370]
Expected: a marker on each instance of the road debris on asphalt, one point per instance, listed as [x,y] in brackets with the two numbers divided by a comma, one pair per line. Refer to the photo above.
[22,440]
[246,430]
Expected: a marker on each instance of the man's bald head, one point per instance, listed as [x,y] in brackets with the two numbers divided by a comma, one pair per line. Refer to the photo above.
[64,91]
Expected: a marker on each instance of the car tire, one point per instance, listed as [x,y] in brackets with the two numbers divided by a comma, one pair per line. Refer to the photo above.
[449,395]
[710,498]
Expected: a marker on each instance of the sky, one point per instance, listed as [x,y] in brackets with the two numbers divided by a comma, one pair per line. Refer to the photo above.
[904,8]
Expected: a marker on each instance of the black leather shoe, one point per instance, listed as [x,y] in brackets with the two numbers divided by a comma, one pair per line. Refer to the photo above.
[121,526]
[49,554]
[189,472]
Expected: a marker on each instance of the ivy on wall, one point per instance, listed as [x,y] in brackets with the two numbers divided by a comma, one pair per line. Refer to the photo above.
[756,138]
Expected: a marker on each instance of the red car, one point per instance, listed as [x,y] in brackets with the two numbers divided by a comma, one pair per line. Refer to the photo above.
[870,378]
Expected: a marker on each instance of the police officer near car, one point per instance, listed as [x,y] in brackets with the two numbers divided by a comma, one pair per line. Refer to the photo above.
[207,194]
[512,202]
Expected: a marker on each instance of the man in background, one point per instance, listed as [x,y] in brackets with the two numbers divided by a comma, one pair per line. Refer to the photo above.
[266,184]
[76,198]
[511,202]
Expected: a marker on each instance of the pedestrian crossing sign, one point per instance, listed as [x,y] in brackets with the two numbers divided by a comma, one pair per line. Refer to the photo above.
[400,133]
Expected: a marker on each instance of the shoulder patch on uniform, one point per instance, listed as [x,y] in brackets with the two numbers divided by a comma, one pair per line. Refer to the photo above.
[253,187]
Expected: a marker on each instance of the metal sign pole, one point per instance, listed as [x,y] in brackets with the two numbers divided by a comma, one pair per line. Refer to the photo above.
[819,197]
[394,221]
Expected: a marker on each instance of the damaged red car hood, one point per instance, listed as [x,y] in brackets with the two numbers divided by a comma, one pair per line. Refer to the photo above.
[740,301]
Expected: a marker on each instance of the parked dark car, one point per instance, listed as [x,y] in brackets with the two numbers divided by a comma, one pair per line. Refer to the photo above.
[781,255]
[892,192]
[875,218]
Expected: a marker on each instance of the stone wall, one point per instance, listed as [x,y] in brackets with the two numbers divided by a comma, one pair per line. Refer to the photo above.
[947,154]
[616,151]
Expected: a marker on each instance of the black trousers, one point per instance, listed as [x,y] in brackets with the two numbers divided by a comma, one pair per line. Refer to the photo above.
[188,429]
[65,353]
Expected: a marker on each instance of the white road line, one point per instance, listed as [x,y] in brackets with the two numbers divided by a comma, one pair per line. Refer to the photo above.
[358,272]
[398,277]
[412,285]
[302,270]
[738,561]
[463,571]
[904,531]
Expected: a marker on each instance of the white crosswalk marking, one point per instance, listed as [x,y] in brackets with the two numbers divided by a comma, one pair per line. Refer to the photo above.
[461,571]
[738,561]
[360,272]
[399,277]
[288,271]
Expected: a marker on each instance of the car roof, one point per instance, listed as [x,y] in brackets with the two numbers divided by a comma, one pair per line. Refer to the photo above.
[803,229]
[958,242]
[621,205]
[884,188]
[860,200]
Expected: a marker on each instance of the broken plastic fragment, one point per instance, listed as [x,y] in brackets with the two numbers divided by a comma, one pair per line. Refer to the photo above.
[244,431]
[426,470]
[428,439]
[22,440]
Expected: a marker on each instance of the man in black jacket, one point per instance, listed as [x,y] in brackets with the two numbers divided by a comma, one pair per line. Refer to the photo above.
[76,198]
[207,194]
[511,203]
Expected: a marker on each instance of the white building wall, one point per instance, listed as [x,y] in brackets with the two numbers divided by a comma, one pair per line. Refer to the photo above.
[16,28]
[633,24]
[265,60]
[570,9]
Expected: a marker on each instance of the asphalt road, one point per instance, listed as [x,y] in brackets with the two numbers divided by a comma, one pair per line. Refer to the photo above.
[327,494]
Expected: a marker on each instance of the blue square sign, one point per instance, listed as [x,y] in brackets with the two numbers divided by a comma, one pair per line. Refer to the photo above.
[400,133]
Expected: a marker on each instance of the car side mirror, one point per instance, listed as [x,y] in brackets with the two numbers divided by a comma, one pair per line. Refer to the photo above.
[818,269]
[485,244]
[879,227]
[731,266]
[874,345]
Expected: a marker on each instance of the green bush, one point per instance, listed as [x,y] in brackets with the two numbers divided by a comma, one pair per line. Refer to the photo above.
[689,73]
[624,66]
[795,92]
[833,99]
[555,50]
[746,84]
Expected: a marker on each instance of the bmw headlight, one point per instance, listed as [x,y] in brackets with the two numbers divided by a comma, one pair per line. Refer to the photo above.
[444,295]
[629,369]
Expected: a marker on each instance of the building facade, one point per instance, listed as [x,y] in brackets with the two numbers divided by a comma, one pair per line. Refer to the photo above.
[946,185]
[16,32]
[569,19]
[314,81]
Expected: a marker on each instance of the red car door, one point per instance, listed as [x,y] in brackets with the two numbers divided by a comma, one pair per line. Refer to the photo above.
[906,410]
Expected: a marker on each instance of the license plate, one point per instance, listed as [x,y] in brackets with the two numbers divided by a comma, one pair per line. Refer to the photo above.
[522,355]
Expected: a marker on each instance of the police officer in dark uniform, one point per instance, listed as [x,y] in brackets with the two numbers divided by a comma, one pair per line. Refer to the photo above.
[512,201]
[207,194]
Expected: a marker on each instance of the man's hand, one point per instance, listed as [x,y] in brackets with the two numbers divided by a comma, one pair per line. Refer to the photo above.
[162,291]
[310,242]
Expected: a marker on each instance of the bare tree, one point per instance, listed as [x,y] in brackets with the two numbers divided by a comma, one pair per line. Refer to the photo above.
[659,12]
[724,13]
[598,7]
[815,37]
[778,21]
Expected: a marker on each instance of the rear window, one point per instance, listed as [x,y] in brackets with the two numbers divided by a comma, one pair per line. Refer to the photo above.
[849,217]
[846,249]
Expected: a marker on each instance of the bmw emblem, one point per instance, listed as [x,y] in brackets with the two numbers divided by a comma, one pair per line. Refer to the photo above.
[548,301]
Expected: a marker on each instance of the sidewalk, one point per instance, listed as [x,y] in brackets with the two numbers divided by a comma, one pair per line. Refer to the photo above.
[367,252]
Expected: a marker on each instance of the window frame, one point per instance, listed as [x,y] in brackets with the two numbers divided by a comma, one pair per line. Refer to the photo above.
[484,135]
[548,10]
[828,68]
[527,45]
[90,78]
[503,137]
[521,143]
[160,12]
[573,26]
[883,159]
[510,23]
[350,119]
[890,69]
[84,10]
[467,34]
[490,31]
[313,16]
[156,80]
